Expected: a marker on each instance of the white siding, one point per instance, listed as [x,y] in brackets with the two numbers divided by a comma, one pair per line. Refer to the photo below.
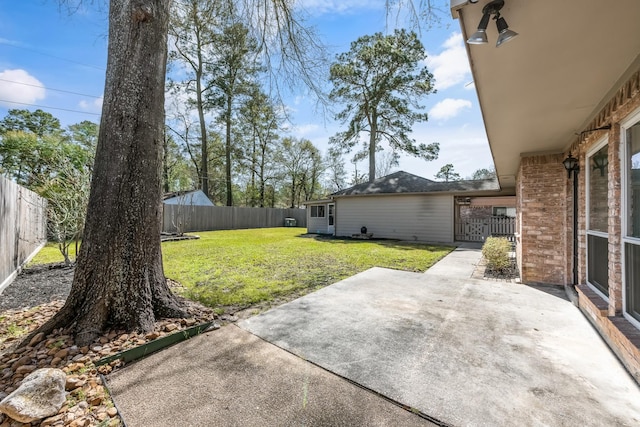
[422,218]
[317,225]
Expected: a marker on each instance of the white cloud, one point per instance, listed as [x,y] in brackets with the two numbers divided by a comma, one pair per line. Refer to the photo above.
[20,87]
[448,108]
[320,7]
[451,66]
[93,106]
[305,130]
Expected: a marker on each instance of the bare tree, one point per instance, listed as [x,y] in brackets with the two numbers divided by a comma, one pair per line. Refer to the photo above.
[67,194]
[386,162]
[192,35]
[261,123]
[301,165]
[337,173]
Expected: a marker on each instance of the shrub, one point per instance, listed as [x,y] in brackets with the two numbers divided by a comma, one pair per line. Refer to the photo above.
[496,251]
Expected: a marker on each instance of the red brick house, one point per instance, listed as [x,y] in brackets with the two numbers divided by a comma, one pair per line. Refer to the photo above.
[568,85]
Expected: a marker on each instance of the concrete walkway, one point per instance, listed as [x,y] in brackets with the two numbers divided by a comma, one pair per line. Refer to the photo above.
[462,351]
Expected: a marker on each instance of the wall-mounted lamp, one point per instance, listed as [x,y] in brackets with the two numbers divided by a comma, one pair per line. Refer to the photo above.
[600,162]
[504,33]
[571,164]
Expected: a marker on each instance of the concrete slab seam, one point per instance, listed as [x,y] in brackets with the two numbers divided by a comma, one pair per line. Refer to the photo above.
[413,411]
[105,384]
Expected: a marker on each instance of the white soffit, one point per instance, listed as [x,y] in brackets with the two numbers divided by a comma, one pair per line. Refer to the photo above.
[541,88]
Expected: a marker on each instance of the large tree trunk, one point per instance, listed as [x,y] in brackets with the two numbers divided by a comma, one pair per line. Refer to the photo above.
[228,151]
[204,169]
[165,162]
[372,148]
[119,280]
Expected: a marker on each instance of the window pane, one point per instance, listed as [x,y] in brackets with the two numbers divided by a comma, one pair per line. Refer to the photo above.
[598,262]
[321,211]
[498,211]
[503,211]
[632,263]
[598,191]
[633,172]
[314,211]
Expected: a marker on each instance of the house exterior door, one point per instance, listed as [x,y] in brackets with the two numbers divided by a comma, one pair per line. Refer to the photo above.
[331,217]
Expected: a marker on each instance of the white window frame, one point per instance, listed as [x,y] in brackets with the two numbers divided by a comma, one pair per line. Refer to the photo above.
[506,209]
[317,208]
[587,179]
[625,124]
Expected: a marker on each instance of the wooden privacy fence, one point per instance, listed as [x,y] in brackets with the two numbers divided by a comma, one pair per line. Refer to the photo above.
[477,230]
[181,218]
[23,228]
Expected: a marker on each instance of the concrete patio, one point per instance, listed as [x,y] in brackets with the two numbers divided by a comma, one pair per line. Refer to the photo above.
[446,347]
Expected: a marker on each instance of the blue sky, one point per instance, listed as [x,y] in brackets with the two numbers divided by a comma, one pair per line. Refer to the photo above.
[60,60]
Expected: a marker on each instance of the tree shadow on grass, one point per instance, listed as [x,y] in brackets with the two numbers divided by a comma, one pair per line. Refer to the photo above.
[388,243]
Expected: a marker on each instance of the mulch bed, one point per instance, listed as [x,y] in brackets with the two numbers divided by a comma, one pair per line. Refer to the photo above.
[32,299]
[510,274]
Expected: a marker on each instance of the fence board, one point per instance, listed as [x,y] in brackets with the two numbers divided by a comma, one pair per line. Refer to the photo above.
[206,218]
[478,229]
[23,228]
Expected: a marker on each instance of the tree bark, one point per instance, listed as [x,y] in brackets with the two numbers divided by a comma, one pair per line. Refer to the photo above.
[119,279]
[227,166]
[165,162]
[204,169]
[372,148]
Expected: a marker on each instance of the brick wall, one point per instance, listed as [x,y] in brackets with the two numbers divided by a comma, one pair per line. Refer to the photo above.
[620,334]
[616,110]
[541,204]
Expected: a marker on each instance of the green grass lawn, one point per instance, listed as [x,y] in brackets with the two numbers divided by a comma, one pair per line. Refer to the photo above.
[245,267]
[51,254]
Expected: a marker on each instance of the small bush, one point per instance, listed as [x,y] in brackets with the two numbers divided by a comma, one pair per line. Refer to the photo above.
[496,251]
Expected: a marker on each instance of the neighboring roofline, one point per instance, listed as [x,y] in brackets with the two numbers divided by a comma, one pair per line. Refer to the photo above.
[174,194]
[479,193]
[402,182]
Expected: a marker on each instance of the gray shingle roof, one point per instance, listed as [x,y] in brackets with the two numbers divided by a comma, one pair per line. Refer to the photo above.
[404,182]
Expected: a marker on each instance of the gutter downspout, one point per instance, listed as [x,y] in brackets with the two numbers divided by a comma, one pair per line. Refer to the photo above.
[575,227]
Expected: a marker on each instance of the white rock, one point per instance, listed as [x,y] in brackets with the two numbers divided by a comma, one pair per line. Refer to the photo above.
[40,395]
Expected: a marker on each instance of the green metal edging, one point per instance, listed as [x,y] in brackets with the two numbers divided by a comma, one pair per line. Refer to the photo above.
[139,352]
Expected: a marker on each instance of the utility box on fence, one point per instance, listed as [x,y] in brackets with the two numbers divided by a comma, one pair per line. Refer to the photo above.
[289,222]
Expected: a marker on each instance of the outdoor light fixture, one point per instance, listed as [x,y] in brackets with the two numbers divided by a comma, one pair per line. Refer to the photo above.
[600,162]
[480,36]
[571,165]
[504,33]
